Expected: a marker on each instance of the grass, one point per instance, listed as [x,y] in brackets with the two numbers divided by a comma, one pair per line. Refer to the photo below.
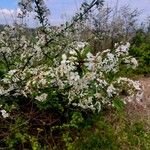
[115,132]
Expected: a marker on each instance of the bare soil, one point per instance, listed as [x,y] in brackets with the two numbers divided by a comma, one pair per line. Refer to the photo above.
[146,85]
[136,111]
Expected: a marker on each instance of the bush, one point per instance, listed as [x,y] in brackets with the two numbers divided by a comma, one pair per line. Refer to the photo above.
[52,86]
[111,131]
[140,49]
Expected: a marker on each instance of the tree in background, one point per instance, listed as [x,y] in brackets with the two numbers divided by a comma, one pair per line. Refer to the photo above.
[108,26]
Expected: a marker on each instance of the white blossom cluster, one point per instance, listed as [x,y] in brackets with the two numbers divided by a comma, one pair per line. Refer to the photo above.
[80,76]
[132,87]
[4,113]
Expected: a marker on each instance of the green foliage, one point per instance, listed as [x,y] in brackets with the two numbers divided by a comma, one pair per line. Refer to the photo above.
[17,133]
[113,133]
[71,129]
[2,70]
[34,143]
[140,49]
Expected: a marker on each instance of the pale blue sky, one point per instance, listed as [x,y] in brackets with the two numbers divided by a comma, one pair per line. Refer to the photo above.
[10,4]
[64,9]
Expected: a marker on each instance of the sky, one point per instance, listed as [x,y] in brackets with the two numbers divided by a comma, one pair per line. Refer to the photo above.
[61,10]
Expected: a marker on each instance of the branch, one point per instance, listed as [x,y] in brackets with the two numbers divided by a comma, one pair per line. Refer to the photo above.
[75,20]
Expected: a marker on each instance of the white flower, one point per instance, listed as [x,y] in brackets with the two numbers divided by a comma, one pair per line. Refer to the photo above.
[111,90]
[109,63]
[74,76]
[4,113]
[42,97]
[139,96]
[12,72]
[110,56]
[64,57]
[89,56]
[98,106]
[123,49]
[137,88]
[5,50]
[89,65]
[72,52]
[90,61]
[2,91]
[37,48]
[81,45]
[134,62]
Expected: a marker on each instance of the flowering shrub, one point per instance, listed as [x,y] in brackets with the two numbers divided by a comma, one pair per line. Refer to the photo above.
[79,80]
[64,74]
[52,85]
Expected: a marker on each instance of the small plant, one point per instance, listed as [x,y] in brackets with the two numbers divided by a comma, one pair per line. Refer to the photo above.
[111,132]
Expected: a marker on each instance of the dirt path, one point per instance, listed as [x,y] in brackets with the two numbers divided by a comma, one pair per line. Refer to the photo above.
[141,111]
[146,84]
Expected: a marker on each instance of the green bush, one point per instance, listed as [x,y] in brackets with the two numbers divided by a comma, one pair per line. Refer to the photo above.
[140,49]
[113,133]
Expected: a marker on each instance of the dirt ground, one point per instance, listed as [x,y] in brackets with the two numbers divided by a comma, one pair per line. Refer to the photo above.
[146,84]
[146,101]
[141,110]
